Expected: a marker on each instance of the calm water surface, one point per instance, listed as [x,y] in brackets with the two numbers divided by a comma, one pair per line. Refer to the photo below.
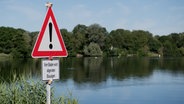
[110,80]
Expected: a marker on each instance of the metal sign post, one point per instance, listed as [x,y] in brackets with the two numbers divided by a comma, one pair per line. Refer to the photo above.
[48,91]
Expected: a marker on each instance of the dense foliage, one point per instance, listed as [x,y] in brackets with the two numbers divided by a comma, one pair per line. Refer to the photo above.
[95,40]
[15,42]
[24,92]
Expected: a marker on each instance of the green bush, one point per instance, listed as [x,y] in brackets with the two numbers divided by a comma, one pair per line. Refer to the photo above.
[93,50]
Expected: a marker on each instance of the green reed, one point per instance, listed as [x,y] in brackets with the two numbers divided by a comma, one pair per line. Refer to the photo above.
[29,92]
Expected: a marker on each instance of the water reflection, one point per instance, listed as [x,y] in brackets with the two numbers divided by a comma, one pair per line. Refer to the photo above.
[97,70]
[12,69]
[110,80]
[94,70]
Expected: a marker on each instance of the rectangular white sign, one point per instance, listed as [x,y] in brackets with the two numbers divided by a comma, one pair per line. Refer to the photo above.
[50,69]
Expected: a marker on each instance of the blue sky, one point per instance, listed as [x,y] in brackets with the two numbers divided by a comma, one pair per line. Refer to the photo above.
[160,17]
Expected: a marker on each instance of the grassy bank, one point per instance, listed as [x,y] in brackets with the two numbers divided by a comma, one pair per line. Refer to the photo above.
[29,92]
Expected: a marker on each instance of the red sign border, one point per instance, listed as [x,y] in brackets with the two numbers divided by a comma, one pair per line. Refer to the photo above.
[40,54]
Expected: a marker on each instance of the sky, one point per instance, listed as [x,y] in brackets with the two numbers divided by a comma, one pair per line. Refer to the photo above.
[160,17]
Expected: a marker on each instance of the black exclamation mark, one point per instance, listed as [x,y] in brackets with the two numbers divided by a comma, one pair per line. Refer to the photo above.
[50,35]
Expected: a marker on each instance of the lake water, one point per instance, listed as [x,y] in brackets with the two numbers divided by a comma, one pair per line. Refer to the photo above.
[110,80]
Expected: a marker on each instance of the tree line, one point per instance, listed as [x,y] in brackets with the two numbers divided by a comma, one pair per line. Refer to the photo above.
[95,40]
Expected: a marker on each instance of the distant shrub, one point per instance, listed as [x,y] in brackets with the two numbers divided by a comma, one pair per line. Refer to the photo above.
[93,50]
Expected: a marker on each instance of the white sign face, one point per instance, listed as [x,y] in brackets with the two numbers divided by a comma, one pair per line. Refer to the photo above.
[50,39]
[50,69]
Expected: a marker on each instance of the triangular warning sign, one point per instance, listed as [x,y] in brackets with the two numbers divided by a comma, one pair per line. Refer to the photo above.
[49,42]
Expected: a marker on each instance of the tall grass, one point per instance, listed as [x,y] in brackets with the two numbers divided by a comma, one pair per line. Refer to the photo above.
[29,92]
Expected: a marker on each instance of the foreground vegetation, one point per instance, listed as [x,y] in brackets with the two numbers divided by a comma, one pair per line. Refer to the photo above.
[95,40]
[29,92]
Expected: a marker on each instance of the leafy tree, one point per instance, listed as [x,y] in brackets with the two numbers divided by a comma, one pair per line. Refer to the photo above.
[169,46]
[33,36]
[21,47]
[68,39]
[14,41]
[119,41]
[170,49]
[92,50]
[120,38]
[5,39]
[143,51]
[96,34]
[154,45]
[80,38]
[140,38]
[94,40]
[181,51]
